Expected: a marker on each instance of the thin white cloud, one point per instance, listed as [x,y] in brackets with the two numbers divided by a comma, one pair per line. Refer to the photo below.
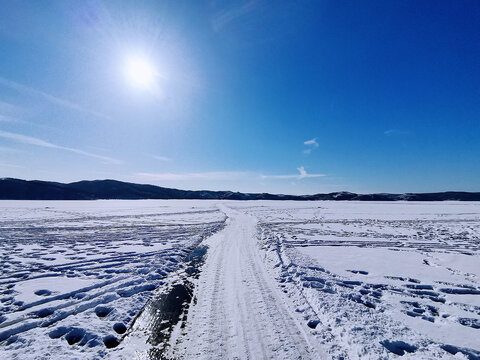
[312,142]
[9,149]
[161,158]
[6,107]
[222,175]
[223,18]
[311,145]
[302,175]
[29,140]
[51,98]
[395,132]
[213,175]
[11,166]
[4,118]
[9,113]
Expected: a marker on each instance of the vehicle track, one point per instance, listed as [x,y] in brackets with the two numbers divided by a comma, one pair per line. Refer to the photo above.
[240,313]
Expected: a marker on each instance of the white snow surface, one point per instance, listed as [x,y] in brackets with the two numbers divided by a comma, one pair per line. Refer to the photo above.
[280,279]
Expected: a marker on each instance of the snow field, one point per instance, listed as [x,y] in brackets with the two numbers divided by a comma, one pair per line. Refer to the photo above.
[279,280]
[76,274]
[379,280]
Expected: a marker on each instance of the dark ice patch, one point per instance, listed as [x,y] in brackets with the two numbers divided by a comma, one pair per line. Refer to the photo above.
[170,308]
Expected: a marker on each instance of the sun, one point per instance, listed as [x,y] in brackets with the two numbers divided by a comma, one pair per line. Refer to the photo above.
[140,72]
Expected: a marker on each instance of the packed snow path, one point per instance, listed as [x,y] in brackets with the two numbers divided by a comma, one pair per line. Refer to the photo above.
[239,312]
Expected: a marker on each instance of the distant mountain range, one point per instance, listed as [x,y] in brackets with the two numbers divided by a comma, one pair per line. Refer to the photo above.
[16,189]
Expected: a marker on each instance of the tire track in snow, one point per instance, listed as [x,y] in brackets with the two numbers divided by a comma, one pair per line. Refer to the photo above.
[239,313]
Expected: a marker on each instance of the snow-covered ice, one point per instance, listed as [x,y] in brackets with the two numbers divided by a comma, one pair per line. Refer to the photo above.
[73,270]
[379,278]
[279,280]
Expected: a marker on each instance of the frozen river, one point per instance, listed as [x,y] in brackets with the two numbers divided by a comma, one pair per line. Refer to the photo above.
[279,280]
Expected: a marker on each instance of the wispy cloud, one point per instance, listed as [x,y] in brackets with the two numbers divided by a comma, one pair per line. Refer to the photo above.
[395,132]
[302,175]
[9,149]
[4,118]
[311,145]
[161,158]
[6,107]
[11,166]
[51,98]
[29,140]
[9,113]
[312,142]
[222,175]
[228,15]
[213,175]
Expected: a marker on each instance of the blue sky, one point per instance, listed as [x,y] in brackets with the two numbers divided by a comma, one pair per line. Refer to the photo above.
[258,96]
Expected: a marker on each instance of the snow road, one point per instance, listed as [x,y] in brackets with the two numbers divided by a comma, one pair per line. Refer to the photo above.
[239,313]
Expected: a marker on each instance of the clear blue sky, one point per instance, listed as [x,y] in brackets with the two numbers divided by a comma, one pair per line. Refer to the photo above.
[246,95]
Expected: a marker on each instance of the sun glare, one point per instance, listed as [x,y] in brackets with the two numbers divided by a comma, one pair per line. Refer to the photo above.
[140,72]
